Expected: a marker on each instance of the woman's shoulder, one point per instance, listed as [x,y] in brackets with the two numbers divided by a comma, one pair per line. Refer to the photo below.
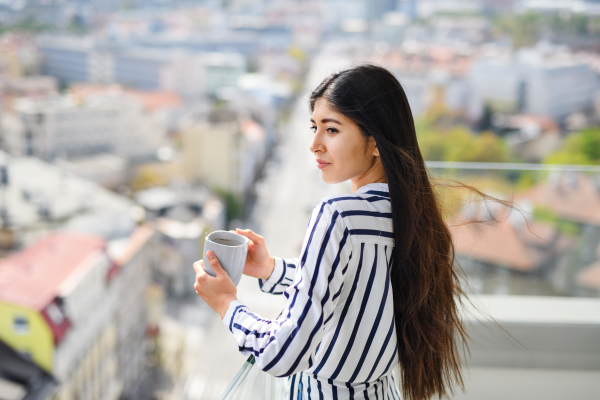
[360,200]
[367,215]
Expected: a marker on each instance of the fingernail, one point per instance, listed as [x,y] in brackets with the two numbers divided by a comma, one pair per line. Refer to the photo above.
[210,254]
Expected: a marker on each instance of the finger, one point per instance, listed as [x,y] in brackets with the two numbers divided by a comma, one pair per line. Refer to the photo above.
[198,266]
[214,263]
[251,235]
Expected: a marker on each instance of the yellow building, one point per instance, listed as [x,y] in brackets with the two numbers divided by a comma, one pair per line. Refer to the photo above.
[225,152]
[211,151]
[56,309]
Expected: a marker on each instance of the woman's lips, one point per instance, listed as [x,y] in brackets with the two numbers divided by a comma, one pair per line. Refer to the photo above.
[322,164]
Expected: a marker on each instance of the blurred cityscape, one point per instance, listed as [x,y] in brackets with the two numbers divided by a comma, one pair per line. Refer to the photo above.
[129,129]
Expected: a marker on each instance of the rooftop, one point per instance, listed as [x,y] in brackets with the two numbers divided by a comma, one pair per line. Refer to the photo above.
[38,192]
[572,196]
[488,241]
[33,277]
[151,99]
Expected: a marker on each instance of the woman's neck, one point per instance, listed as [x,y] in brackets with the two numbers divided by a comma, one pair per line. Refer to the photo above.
[375,174]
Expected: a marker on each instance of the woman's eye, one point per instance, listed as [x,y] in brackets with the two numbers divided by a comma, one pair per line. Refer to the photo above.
[332,130]
[313,128]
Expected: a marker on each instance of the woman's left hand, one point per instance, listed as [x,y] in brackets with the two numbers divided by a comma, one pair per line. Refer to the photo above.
[218,292]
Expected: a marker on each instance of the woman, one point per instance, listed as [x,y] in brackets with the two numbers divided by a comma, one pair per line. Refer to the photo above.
[375,284]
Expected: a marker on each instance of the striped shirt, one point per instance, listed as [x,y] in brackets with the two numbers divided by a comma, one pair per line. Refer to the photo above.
[336,337]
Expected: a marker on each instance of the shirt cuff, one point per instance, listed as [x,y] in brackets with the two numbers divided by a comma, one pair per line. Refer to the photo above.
[275,278]
[233,307]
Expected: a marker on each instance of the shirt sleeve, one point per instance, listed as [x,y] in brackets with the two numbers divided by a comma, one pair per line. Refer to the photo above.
[287,344]
[282,276]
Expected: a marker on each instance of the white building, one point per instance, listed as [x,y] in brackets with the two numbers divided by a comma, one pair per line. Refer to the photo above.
[69,127]
[155,69]
[190,72]
[101,354]
[532,83]
[223,70]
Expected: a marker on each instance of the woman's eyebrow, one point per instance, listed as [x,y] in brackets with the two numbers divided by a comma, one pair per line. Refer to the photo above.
[325,120]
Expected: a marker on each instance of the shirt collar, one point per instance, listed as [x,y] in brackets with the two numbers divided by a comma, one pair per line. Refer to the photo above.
[374,187]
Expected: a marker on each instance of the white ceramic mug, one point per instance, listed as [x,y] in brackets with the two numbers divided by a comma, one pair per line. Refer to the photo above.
[230,249]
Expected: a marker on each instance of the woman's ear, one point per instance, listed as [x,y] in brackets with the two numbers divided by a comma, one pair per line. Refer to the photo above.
[373,146]
[376,151]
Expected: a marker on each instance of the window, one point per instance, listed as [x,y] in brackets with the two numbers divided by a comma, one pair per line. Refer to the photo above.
[55,314]
[21,325]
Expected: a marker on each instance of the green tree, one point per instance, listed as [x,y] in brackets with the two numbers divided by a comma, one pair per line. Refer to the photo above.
[581,148]
[459,144]
[233,206]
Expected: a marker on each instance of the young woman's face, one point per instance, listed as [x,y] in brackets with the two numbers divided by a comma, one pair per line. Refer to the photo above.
[340,149]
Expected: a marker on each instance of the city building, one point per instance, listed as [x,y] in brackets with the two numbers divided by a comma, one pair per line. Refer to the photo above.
[429,72]
[188,69]
[55,308]
[69,59]
[530,137]
[31,86]
[135,257]
[162,107]
[533,81]
[225,152]
[39,198]
[158,69]
[223,71]
[48,213]
[74,304]
[183,217]
[68,126]
[217,41]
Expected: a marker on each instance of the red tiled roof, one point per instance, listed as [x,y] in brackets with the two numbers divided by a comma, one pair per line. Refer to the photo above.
[502,243]
[493,243]
[32,278]
[151,99]
[547,124]
[579,202]
[156,100]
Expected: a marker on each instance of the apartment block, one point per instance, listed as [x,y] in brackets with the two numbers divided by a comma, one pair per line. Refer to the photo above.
[74,305]
[69,126]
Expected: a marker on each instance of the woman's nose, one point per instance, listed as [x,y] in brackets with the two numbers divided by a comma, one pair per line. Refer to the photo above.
[316,145]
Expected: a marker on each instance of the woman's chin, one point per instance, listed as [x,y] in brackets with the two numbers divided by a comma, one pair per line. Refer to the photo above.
[326,178]
[329,179]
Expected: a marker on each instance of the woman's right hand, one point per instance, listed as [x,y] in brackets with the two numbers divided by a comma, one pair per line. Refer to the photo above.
[258,263]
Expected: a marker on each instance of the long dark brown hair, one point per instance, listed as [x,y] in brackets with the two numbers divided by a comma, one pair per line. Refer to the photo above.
[425,281]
